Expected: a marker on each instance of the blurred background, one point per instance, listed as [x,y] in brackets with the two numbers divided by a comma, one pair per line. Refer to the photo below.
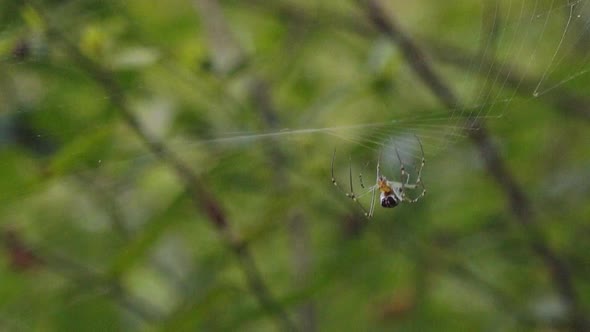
[167,165]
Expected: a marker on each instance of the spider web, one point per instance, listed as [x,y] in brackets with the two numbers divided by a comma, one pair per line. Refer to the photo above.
[538,47]
[521,52]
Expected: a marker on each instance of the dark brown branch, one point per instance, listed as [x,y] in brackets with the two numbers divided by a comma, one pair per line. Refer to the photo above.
[298,233]
[203,199]
[563,100]
[201,196]
[28,256]
[216,27]
[260,92]
[519,204]
[99,194]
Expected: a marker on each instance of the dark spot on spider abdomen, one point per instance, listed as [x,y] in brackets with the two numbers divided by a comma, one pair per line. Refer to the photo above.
[388,202]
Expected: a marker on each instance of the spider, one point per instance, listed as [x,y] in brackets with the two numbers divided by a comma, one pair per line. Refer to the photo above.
[392,193]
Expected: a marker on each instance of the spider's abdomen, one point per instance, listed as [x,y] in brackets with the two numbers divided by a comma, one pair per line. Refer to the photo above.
[389,201]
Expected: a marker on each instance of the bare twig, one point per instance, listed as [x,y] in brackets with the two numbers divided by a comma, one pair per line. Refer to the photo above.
[564,100]
[77,273]
[518,202]
[217,29]
[297,226]
[202,198]
[98,193]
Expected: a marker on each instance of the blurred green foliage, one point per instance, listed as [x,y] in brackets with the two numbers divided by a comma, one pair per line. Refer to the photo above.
[100,234]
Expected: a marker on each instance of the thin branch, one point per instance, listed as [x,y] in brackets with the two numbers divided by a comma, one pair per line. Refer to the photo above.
[217,28]
[297,226]
[79,274]
[519,203]
[202,197]
[564,100]
[103,198]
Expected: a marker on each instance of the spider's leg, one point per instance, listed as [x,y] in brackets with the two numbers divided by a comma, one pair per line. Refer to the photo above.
[419,179]
[333,178]
[372,207]
[374,193]
[350,194]
[379,166]
[350,173]
[407,179]
[402,170]
[419,182]
[334,182]
[361,177]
